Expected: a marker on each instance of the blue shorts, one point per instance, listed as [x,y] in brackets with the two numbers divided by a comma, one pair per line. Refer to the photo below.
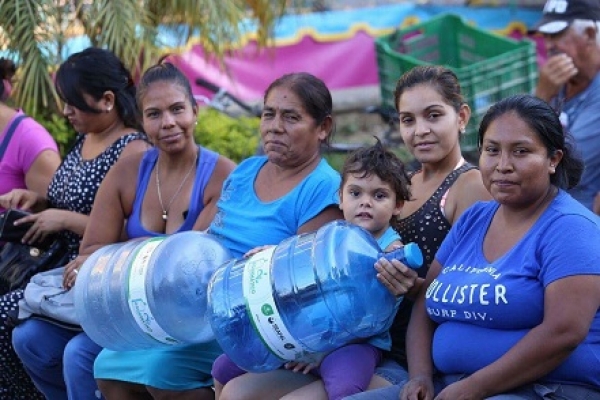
[391,371]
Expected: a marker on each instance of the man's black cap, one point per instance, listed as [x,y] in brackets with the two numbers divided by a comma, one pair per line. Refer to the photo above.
[559,14]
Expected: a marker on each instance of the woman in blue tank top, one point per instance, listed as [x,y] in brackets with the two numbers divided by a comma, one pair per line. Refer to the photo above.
[177,185]
[165,190]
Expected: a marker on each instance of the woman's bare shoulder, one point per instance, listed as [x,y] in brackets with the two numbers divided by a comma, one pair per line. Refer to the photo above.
[126,168]
[466,190]
[138,147]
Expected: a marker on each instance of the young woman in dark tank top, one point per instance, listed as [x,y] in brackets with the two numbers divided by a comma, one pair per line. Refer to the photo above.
[433,116]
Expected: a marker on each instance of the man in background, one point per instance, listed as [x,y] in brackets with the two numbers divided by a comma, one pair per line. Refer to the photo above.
[570,81]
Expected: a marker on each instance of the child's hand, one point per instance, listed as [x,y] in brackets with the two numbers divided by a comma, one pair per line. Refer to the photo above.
[298,366]
[307,363]
[258,250]
[393,246]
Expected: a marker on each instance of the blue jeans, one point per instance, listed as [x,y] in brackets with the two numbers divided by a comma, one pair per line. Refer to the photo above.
[59,361]
[534,391]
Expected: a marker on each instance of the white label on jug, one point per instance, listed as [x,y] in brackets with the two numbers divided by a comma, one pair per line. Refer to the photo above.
[137,298]
[260,303]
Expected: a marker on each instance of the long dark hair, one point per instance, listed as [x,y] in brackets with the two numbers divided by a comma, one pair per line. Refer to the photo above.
[7,71]
[94,71]
[545,122]
[164,72]
[440,78]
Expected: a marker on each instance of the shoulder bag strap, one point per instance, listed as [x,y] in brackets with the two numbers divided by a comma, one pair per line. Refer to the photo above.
[9,133]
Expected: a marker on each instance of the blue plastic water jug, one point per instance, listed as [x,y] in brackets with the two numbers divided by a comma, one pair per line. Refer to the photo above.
[312,293]
[146,293]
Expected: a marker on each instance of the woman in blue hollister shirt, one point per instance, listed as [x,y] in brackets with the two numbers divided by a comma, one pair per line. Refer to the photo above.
[510,304]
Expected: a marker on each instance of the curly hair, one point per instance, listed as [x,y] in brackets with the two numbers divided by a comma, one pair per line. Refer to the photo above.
[379,161]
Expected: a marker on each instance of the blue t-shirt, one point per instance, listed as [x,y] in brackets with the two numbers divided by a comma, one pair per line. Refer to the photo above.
[484,308]
[389,236]
[244,222]
[384,339]
[581,116]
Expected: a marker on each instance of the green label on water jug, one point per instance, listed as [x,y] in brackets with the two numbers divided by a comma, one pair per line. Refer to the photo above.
[263,312]
[137,298]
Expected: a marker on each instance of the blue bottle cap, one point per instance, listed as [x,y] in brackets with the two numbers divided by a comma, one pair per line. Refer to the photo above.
[413,255]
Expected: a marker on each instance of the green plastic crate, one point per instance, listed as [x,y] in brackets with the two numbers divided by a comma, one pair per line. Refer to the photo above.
[489,67]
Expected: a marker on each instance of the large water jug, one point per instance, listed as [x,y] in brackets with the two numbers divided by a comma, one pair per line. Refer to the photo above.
[311,294]
[149,292]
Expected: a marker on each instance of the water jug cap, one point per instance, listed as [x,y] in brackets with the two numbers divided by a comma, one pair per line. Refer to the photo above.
[413,255]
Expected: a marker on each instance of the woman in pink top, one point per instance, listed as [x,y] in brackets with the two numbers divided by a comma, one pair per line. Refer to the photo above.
[31,157]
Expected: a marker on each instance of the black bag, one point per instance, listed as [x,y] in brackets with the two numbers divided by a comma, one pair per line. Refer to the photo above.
[9,232]
[18,261]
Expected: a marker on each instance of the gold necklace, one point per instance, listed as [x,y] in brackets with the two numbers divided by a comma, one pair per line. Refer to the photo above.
[165,211]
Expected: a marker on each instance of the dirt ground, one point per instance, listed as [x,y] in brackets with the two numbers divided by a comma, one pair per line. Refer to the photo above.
[358,127]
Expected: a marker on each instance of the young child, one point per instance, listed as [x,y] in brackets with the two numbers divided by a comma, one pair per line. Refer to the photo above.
[373,190]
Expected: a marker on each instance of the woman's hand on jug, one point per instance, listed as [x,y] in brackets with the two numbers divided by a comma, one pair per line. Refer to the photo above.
[71,271]
[258,249]
[399,279]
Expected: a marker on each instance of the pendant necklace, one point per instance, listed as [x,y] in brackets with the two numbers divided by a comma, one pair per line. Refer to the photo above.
[165,210]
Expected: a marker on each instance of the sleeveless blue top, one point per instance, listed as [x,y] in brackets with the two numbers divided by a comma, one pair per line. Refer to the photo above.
[191,368]
[206,164]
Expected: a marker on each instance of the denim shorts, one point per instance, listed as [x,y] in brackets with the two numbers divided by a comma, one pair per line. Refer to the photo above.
[532,391]
[391,371]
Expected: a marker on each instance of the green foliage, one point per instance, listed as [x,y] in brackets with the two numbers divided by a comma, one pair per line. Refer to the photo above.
[35,33]
[235,138]
[60,129]
[336,160]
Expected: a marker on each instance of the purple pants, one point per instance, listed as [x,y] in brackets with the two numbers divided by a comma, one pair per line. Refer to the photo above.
[345,371]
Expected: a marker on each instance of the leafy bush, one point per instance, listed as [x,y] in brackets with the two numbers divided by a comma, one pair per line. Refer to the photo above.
[231,137]
[236,138]
[59,128]
[336,160]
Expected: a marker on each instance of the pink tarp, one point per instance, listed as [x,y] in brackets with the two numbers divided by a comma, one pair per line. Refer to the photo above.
[342,64]
[339,48]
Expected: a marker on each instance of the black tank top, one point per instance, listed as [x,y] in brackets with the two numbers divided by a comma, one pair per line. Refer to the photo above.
[426,227]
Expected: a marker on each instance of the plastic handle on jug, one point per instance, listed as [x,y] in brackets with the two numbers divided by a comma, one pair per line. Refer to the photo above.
[409,254]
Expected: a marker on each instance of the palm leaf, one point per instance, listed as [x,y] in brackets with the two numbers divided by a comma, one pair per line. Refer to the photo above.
[36,32]
[31,45]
